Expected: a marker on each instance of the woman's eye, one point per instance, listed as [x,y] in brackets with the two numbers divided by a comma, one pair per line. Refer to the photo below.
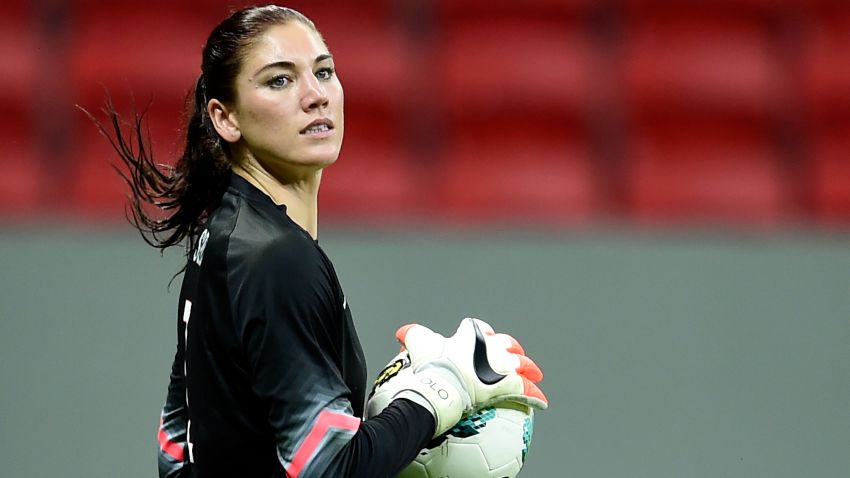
[278,81]
[325,73]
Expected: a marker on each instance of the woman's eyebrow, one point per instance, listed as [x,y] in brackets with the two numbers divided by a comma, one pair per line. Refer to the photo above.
[278,64]
[288,65]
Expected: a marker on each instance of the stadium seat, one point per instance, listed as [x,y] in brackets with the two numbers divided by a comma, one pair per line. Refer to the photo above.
[545,67]
[21,175]
[22,179]
[376,59]
[829,176]
[723,173]
[146,57]
[446,10]
[825,6]
[125,45]
[156,55]
[530,176]
[826,90]
[760,7]
[375,180]
[97,191]
[151,53]
[20,49]
[826,70]
[701,64]
[517,84]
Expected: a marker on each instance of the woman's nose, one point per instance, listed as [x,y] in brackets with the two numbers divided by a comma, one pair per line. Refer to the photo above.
[315,95]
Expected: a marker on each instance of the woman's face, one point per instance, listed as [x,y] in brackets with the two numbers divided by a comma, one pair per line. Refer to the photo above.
[289,101]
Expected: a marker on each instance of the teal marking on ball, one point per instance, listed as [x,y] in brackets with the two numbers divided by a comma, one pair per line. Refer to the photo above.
[527,431]
[469,426]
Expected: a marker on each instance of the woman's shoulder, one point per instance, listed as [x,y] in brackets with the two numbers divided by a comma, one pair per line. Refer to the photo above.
[253,240]
[276,246]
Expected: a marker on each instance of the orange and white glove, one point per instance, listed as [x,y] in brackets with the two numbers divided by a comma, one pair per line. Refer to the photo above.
[473,368]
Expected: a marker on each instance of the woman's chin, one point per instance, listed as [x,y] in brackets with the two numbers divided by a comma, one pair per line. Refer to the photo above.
[324,159]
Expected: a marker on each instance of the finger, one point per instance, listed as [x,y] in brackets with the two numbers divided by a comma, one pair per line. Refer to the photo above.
[402,331]
[420,342]
[533,391]
[528,369]
[510,343]
[412,334]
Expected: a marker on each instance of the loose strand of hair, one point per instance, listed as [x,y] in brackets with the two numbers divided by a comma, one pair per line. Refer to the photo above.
[149,183]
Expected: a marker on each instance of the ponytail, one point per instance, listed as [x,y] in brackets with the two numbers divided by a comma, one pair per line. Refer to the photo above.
[170,204]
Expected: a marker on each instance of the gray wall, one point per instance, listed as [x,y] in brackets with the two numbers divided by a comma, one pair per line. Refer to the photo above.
[665,356]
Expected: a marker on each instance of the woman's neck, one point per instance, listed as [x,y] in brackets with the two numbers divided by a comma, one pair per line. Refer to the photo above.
[300,196]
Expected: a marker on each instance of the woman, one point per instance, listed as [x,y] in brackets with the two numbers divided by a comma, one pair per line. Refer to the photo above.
[269,377]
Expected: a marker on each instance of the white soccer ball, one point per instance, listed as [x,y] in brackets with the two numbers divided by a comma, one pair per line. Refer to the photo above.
[491,442]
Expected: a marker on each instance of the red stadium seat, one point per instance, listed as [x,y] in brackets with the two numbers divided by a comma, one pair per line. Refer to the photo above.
[519,176]
[514,82]
[376,66]
[699,64]
[20,48]
[156,54]
[825,6]
[144,55]
[375,60]
[829,176]
[96,189]
[22,180]
[505,65]
[826,69]
[375,179]
[449,9]
[126,48]
[21,176]
[376,185]
[698,173]
[760,7]
[826,89]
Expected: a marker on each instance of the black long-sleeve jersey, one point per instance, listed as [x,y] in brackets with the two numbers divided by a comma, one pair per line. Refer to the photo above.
[269,377]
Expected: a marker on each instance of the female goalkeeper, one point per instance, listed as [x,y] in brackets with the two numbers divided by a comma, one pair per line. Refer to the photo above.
[269,378]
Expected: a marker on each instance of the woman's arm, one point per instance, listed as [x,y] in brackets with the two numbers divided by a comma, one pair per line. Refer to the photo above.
[171,455]
[289,321]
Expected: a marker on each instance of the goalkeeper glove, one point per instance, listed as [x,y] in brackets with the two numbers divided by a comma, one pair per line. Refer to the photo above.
[471,369]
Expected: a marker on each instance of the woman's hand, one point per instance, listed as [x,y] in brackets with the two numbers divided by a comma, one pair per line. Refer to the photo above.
[493,367]
[473,368]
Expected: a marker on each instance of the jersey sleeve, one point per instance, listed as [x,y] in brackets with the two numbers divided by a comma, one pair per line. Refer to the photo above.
[385,443]
[171,455]
[286,314]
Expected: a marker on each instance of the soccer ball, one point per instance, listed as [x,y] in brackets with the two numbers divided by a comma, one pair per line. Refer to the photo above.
[491,442]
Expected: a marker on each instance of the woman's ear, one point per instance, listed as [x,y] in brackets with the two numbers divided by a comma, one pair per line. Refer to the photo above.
[224,121]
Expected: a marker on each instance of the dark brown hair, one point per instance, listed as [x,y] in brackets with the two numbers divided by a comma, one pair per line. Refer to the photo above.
[170,204]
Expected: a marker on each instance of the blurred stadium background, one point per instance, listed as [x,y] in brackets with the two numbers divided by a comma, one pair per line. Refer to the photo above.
[653,194]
